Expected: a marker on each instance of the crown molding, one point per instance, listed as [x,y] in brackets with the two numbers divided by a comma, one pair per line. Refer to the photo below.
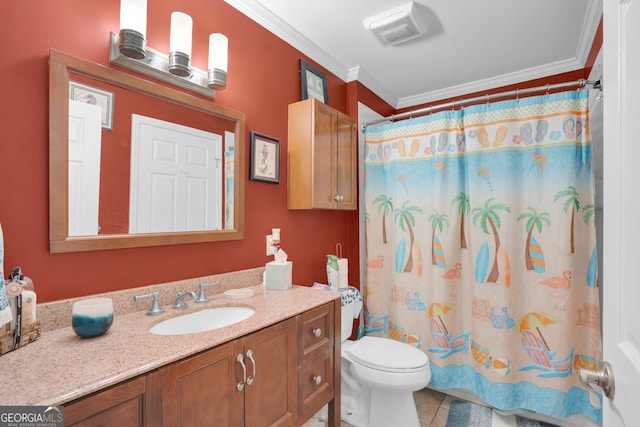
[255,11]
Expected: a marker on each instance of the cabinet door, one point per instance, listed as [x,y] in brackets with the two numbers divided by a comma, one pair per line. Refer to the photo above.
[321,157]
[324,185]
[122,405]
[345,162]
[201,390]
[271,396]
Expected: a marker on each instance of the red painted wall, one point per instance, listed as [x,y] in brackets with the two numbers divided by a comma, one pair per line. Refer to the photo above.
[263,80]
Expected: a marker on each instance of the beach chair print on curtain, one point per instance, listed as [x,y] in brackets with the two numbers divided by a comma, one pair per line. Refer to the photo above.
[445,343]
[543,359]
[375,324]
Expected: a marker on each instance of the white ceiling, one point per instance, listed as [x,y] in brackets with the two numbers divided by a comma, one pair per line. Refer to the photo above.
[469,46]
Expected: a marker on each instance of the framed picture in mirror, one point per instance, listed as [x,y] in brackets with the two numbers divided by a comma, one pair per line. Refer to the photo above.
[92,95]
[313,82]
[264,158]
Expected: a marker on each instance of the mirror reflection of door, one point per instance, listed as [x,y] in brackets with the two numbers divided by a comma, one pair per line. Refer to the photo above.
[84,167]
[176,174]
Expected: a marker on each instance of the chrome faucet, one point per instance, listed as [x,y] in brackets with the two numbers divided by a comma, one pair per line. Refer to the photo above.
[202,298]
[179,303]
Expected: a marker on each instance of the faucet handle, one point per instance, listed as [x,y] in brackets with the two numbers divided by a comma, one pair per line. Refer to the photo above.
[155,305]
[202,298]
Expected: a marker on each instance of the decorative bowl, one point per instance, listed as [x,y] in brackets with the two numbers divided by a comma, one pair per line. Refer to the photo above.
[92,317]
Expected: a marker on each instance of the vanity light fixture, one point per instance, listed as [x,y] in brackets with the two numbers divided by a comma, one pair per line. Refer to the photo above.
[128,49]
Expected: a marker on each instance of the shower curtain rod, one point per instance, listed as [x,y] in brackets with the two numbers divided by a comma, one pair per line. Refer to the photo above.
[597,84]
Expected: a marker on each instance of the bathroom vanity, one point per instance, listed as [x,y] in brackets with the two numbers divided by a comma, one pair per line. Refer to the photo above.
[278,367]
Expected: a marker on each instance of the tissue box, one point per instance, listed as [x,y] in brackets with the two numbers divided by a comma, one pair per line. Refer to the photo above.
[278,275]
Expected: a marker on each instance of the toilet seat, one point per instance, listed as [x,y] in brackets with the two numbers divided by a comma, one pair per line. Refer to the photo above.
[387,355]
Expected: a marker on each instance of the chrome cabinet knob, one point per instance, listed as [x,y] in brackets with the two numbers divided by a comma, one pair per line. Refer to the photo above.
[317,332]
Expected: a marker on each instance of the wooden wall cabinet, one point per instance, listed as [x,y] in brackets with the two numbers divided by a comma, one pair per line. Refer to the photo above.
[278,376]
[322,157]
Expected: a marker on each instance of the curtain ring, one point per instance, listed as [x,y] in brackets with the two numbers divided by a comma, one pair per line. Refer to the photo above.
[431,109]
[547,90]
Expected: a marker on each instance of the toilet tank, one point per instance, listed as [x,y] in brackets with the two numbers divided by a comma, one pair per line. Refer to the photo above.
[351,306]
[348,314]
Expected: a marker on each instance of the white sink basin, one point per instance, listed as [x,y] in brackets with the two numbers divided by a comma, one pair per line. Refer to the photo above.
[203,320]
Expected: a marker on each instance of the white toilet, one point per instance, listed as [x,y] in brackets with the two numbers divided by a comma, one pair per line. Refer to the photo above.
[379,375]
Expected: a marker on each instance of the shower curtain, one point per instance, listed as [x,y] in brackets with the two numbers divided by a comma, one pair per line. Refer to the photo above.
[481,249]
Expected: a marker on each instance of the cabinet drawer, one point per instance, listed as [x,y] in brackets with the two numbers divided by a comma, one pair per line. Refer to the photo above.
[316,332]
[315,384]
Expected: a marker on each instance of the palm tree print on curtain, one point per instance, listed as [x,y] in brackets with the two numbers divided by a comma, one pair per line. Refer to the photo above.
[500,200]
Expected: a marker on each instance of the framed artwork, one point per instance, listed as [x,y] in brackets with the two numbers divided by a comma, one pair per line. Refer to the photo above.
[313,82]
[95,96]
[264,158]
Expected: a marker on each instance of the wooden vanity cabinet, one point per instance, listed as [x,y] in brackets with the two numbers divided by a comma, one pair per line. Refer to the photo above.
[290,372]
[322,157]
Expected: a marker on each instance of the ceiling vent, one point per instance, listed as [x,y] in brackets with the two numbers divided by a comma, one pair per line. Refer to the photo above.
[396,25]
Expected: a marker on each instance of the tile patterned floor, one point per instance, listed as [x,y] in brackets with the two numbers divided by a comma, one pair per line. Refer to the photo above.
[433,408]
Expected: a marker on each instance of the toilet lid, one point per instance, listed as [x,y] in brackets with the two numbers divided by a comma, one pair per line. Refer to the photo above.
[387,354]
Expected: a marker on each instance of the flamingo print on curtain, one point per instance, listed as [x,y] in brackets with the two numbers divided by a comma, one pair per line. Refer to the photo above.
[481,250]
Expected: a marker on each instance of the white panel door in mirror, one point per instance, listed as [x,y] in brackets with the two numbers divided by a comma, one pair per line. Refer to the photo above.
[176,177]
[84,167]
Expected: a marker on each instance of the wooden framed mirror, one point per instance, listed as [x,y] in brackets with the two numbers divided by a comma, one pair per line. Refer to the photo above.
[122,97]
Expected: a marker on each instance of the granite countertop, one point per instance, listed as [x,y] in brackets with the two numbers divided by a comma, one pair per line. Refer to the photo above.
[60,366]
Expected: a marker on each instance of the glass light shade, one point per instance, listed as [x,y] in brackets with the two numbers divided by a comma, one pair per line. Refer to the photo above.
[218,51]
[218,57]
[133,16]
[181,32]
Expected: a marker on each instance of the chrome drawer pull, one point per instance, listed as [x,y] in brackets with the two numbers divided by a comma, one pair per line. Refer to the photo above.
[317,379]
[240,385]
[317,332]
[251,377]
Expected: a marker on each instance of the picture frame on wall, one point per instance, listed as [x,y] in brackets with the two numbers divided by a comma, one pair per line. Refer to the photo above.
[313,82]
[264,158]
[92,95]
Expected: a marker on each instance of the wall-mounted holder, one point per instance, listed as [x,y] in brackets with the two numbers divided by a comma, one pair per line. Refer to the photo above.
[156,64]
